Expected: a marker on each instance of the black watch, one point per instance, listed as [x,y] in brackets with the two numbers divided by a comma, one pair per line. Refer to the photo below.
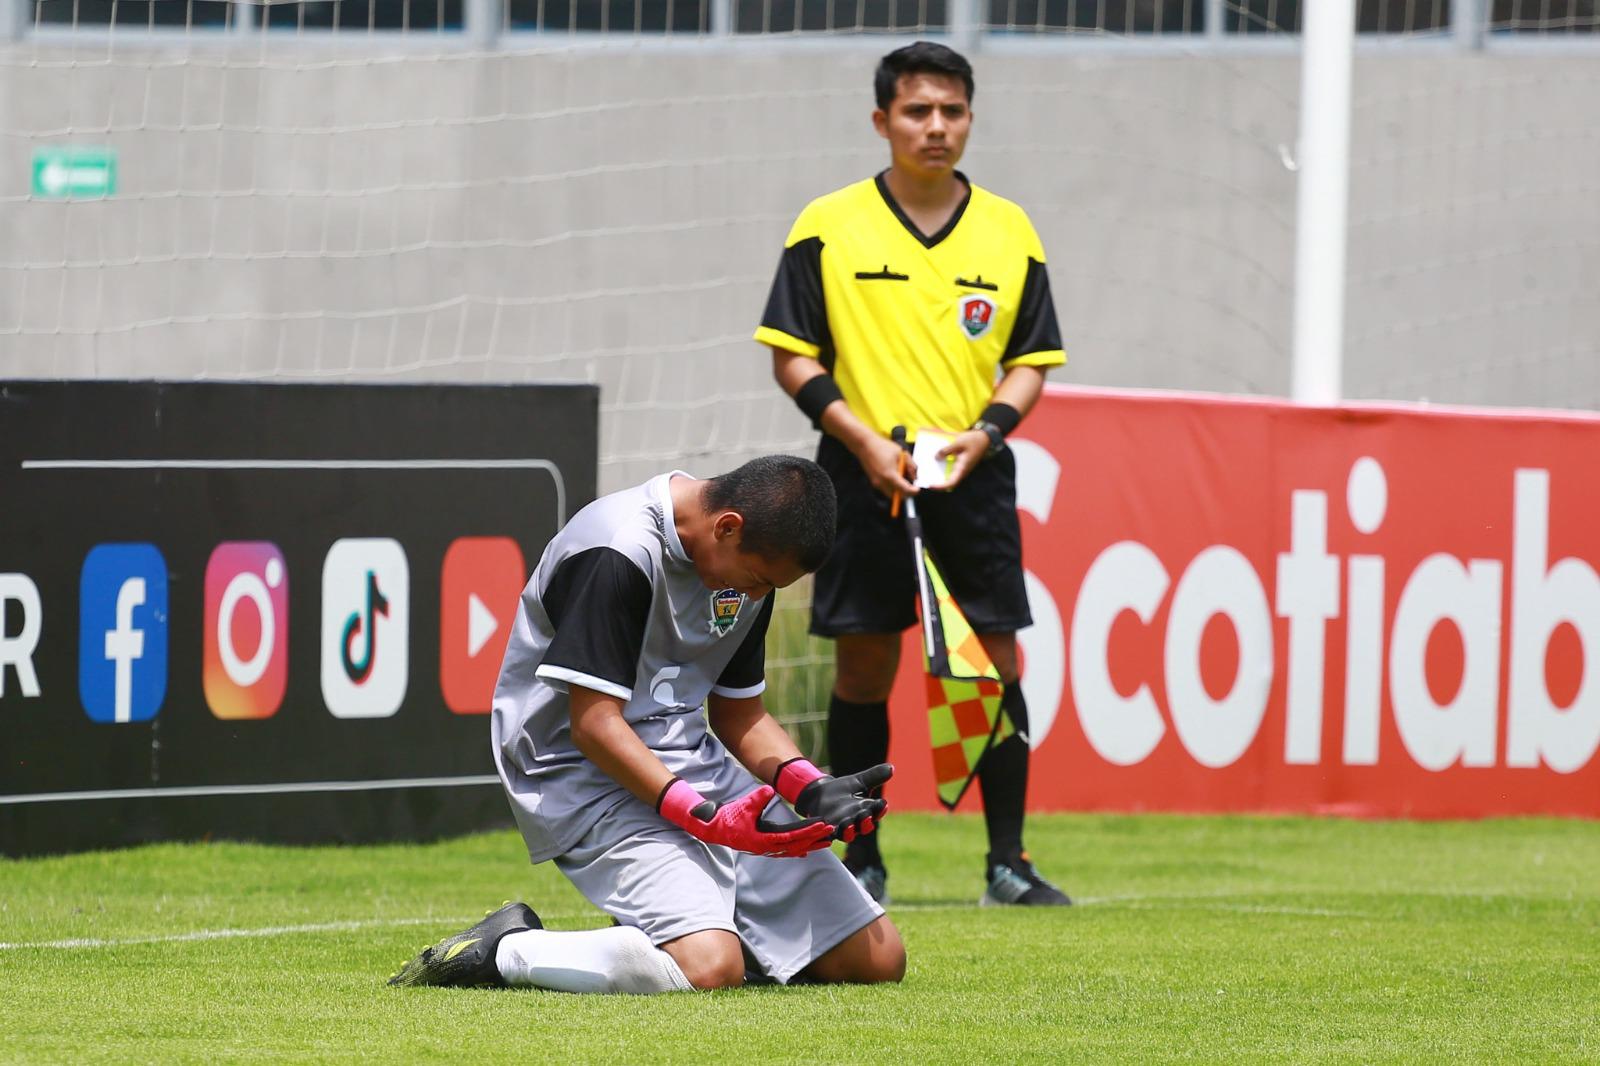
[997,439]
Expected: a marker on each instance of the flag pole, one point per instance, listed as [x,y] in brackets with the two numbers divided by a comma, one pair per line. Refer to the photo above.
[914,529]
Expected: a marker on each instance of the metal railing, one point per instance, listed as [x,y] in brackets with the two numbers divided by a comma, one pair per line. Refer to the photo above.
[969,23]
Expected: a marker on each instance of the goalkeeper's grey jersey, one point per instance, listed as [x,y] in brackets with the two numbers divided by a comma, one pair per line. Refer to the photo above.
[616,606]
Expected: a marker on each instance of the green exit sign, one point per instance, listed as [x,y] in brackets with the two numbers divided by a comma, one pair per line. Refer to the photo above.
[73,172]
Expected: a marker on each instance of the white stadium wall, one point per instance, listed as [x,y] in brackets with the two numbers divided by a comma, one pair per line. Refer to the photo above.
[613,215]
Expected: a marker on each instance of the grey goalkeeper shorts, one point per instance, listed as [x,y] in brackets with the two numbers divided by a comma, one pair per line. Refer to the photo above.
[646,872]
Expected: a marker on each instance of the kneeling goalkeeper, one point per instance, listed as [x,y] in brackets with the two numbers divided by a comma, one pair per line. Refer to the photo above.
[650,604]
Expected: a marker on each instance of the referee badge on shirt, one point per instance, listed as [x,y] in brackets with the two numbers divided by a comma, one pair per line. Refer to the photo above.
[977,316]
[725,604]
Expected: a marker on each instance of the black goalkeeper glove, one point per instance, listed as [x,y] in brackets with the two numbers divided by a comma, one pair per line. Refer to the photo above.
[846,803]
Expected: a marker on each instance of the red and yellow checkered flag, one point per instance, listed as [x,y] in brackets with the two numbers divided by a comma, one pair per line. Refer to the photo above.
[964,722]
[964,715]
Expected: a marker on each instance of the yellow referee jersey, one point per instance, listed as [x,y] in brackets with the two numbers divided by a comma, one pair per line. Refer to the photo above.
[912,326]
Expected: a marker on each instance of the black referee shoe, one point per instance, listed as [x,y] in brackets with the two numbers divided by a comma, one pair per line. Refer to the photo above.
[1015,883]
[466,960]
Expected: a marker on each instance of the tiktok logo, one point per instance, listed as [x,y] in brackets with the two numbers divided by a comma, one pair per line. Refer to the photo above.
[363,626]
[366,607]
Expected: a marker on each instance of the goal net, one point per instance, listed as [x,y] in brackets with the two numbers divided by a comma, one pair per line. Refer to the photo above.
[598,190]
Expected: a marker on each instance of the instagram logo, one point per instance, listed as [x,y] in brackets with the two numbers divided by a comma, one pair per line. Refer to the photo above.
[246,663]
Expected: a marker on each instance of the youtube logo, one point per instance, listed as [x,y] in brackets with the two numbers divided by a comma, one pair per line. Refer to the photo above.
[479,589]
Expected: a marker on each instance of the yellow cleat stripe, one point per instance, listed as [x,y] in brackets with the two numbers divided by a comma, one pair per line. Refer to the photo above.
[459,948]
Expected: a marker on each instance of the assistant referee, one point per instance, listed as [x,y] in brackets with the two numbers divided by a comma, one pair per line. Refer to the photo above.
[916,298]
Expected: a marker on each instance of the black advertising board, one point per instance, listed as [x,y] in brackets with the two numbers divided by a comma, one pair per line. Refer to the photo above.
[266,612]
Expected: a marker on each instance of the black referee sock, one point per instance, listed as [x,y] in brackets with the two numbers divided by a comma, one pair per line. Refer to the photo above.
[1003,781]
[858,738]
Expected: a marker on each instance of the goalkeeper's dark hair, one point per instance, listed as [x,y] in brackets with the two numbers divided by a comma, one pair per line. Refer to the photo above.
[788,507]
[923,57]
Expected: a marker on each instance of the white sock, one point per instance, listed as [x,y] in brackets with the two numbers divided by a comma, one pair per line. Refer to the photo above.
[618,959]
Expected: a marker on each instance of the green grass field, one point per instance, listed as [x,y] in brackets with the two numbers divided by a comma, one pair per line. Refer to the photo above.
[1209,939]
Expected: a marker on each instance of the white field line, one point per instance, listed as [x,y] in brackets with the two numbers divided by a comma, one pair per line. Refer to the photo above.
[233,934]
[1151,902]
[445,923]
[1249,908]
[1202,901]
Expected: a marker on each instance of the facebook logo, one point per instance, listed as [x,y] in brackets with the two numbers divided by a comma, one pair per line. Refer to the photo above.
[122,632]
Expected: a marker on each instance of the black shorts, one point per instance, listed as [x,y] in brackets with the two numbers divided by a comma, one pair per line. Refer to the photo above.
[869,585]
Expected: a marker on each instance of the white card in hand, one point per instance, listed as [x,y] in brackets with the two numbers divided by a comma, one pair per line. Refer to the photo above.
[932,472]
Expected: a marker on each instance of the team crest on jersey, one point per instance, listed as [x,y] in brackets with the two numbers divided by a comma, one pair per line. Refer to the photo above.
[725,604]
[977,316]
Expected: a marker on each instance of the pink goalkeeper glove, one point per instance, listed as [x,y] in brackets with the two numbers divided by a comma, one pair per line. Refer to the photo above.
[739,824]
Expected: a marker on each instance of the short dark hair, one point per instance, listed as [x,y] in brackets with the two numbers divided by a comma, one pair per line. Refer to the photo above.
[788,506]
[923,57]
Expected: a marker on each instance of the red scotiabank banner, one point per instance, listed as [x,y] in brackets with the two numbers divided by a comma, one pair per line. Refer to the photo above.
[1243,605]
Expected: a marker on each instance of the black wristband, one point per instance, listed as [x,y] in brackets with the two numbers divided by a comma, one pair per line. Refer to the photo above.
[815,396]
[1003,416]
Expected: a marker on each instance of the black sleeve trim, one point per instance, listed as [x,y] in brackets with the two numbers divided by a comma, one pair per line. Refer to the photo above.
[748,667]
[795,306]
[598,601]
[1035,329]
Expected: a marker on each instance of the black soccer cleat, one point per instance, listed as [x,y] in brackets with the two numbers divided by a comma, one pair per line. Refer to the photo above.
[1015,883]
[466,960]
